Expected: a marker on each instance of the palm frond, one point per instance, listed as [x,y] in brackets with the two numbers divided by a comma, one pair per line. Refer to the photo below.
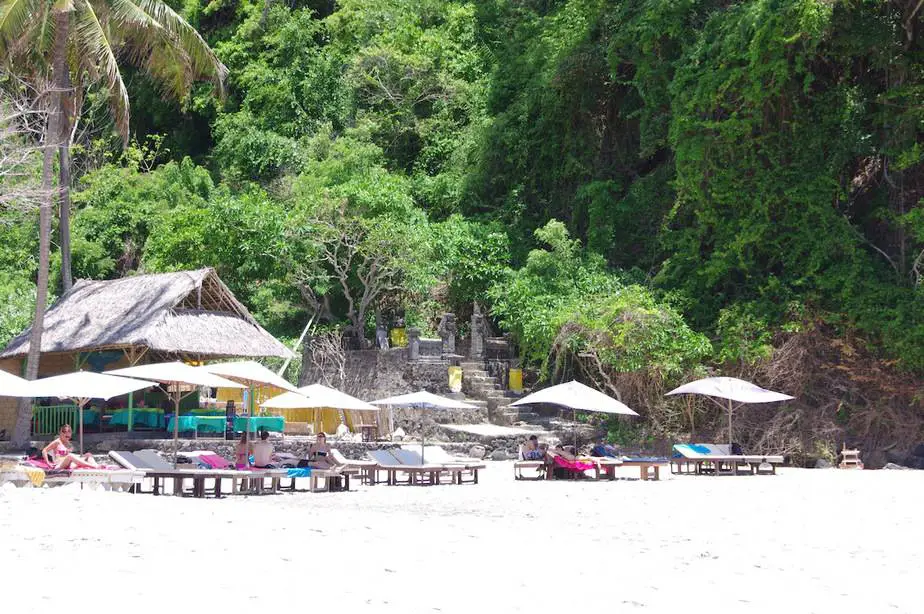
[15,19]
[92,40]
[127,13]
[202,61]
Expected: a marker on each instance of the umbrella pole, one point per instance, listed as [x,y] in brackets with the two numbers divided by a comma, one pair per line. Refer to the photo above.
[730,439]
[574,429]
[176,424]
[80,403]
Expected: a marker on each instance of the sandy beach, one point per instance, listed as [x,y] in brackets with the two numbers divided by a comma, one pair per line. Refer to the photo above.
[803,541]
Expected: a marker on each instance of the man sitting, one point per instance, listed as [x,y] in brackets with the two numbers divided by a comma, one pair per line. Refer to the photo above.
[262,451]
[531,449]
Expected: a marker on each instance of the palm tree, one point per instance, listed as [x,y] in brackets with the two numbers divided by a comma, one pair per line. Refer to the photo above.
[81,42]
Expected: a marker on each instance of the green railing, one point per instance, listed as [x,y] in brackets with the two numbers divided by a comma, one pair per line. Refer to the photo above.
[47,420]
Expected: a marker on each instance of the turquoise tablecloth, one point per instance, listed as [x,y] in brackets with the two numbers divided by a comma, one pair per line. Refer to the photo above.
[213,424]
[140,417]
[187,423]
[276,424]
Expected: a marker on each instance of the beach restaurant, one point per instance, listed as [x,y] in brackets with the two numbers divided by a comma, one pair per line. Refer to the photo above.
[189,316]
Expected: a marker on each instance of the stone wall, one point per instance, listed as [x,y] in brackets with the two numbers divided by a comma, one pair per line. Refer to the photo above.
[375,374]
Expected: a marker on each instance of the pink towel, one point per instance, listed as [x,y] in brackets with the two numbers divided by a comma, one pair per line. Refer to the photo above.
[214,461]
[573,465]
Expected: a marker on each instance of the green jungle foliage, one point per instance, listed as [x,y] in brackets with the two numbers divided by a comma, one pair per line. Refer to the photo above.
[659,184]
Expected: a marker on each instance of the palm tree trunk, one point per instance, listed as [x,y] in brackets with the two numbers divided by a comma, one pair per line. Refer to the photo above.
[53,141]
[64,99]
[21,433]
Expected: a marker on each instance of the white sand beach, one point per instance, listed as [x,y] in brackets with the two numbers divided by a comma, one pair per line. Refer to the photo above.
[804,541]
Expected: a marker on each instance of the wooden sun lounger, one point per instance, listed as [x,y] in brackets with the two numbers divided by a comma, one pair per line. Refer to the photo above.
[418,475]
[720,462]
[470,466]
[160,470]
[108,479]
[365,468]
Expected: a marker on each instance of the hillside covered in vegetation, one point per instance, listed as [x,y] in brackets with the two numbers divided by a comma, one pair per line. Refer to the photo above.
[639,191]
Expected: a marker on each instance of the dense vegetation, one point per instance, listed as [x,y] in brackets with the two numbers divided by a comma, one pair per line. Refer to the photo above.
[637,190]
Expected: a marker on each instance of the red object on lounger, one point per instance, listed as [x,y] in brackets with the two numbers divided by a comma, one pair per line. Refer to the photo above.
[214,461]
[573,465]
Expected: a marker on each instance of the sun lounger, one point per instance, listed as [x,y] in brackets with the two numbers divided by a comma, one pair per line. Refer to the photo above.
[571,468]
[250,480]
[537,465]
[160,470]
[387,462]
[365,468]
[413,458]
[716,459]
[471,466]
[109,478]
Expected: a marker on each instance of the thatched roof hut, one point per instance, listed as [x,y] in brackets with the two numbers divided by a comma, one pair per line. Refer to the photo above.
[188,313]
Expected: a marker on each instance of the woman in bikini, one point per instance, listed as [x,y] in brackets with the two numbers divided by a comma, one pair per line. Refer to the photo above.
[319,454]
[242,453]
[63,457]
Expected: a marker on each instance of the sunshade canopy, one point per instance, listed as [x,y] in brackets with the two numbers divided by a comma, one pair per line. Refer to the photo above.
[317,396]
[86,385]
[423,400]
[14,386]
[176,373]
[575,395]
[731,388]
[248,372]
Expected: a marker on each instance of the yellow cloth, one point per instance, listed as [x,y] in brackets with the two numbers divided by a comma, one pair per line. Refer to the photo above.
[35,475]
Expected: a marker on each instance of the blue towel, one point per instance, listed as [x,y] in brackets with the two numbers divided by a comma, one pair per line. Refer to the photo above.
[298,472]
[700,449]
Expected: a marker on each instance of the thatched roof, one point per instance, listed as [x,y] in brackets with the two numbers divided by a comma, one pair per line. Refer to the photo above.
[188,312]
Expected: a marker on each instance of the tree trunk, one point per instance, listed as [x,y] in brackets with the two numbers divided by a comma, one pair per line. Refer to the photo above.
[53,130]
[64,100]
[64,214]
[21,434]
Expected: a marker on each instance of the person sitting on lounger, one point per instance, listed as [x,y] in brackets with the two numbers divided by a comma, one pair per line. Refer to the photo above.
[531,449]
[263,451]
[242,453]
[63,457]
[319,456]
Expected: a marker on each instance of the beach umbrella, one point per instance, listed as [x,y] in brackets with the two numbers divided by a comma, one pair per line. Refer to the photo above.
[250,373]
[317,396]
[423,400]
[82,386]
[576,396]
[14,386]
[732,390]
[173,376]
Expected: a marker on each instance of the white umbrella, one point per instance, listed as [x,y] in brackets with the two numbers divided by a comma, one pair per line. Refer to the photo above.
[577,397]
[423,400]
[732,389]
[317,396]
[250,373]
[174,375]
[82,386]
[14,386]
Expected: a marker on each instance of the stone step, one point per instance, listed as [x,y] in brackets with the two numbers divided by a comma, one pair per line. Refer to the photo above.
[467,365]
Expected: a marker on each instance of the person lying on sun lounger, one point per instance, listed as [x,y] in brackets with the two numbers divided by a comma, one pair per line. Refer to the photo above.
[63,457]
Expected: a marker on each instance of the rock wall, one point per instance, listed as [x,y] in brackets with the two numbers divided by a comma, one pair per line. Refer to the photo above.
[375,374]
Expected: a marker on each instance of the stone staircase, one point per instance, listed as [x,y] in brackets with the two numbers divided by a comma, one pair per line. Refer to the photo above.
[479,384]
